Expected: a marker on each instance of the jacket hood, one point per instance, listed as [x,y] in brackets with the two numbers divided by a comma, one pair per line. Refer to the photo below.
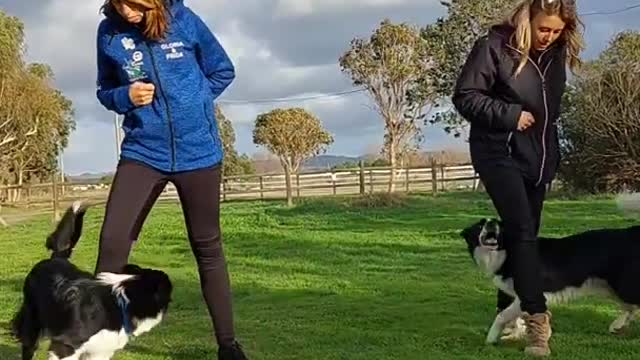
[503,31]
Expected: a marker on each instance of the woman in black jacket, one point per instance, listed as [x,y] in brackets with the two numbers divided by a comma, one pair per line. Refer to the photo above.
[510,90]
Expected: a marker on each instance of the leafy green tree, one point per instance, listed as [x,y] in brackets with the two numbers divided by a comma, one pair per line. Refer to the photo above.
[35,118]
[390,65]
[449,40]
[599,128]
[293,135]
[233,163]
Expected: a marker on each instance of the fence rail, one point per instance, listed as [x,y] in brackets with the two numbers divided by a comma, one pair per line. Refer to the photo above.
[49,198]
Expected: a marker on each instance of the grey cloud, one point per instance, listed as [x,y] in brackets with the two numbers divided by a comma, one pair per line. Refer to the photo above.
[322,38]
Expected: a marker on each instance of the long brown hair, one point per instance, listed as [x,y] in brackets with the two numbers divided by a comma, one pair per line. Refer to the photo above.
[154,23]
[521,16]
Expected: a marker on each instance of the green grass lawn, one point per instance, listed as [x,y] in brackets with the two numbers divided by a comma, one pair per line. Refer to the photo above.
[331,279]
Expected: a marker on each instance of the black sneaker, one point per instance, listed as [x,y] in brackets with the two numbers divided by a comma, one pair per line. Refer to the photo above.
[231,352]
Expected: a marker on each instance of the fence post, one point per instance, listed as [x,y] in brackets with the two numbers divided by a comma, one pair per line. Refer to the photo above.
[434,178]
[333,182]
[362,177]
[406,178]
[56,205]
[298,184]
[261,187]
[224,190]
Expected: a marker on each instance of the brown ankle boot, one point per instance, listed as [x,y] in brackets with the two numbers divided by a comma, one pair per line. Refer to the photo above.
[538,334]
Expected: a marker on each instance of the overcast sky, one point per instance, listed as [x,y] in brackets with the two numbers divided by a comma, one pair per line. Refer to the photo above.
[281,48]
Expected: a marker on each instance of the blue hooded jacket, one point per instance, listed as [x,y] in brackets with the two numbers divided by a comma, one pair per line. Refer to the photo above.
[178,131]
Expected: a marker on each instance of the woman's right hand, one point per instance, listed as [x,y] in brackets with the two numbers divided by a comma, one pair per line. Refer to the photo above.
[141,93]
[525,121]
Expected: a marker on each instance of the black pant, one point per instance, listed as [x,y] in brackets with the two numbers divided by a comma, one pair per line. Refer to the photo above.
[135,189]
[519,204]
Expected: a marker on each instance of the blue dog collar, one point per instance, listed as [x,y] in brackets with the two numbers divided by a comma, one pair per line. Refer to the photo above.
[123,304]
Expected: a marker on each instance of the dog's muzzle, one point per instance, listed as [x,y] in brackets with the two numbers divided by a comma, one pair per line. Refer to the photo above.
[489,241]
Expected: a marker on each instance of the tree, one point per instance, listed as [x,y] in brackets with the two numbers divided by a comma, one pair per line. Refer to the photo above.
[599,129]
[233,163]
[35,118]
[390,66]
[450,40]
[46,120]
[293,135]
[11,52]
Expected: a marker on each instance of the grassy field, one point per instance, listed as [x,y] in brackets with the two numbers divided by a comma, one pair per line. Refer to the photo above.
[336,279]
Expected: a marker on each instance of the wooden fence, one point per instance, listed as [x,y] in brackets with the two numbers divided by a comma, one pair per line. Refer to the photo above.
[50,198]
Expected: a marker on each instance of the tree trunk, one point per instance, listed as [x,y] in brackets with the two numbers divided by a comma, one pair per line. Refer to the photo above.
[392,161]
[20,182]
[287,175]
[13,192]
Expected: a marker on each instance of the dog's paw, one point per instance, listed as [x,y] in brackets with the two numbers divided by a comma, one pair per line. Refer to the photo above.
[617,329]
[621,324]
[515,330]
[514,336]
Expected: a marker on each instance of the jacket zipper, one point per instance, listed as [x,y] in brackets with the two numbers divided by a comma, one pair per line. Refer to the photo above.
[546,122]
[542,75]
[164,97]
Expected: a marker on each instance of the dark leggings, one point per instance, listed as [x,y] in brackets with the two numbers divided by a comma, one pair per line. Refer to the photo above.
[135,189]
[519,204]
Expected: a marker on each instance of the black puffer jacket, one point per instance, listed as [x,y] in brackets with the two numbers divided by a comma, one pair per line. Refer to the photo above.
[489,96]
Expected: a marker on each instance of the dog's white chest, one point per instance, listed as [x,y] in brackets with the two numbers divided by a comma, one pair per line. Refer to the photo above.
[488,260]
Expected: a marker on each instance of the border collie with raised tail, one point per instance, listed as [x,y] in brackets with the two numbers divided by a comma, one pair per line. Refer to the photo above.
[603,262]
[85,316]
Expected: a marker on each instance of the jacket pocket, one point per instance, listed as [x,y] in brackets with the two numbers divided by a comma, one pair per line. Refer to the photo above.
[209,115]
[527,151]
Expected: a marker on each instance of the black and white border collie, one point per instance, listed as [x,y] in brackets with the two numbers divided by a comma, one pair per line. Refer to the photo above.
[604,262]
[85,316]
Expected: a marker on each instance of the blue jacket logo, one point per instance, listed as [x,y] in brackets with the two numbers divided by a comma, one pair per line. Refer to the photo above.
[128,43]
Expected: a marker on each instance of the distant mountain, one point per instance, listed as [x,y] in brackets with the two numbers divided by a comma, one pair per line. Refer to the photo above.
[328,161]
[87,178]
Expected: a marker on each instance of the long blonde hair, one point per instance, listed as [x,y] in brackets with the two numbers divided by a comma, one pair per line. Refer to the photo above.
[155,21]
[521,16]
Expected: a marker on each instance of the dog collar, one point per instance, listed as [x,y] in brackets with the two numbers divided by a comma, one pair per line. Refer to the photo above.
[123,304]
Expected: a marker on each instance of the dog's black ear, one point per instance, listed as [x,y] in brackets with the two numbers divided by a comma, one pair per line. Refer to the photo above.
[68,231]
[132,269]
[469,230]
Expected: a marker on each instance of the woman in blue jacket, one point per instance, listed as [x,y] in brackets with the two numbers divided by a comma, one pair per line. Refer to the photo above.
[162,68]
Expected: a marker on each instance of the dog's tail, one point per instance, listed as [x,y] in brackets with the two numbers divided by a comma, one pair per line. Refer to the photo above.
[64,238]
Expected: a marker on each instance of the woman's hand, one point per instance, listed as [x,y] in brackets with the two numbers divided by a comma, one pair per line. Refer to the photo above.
[141,93]
[525,121]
